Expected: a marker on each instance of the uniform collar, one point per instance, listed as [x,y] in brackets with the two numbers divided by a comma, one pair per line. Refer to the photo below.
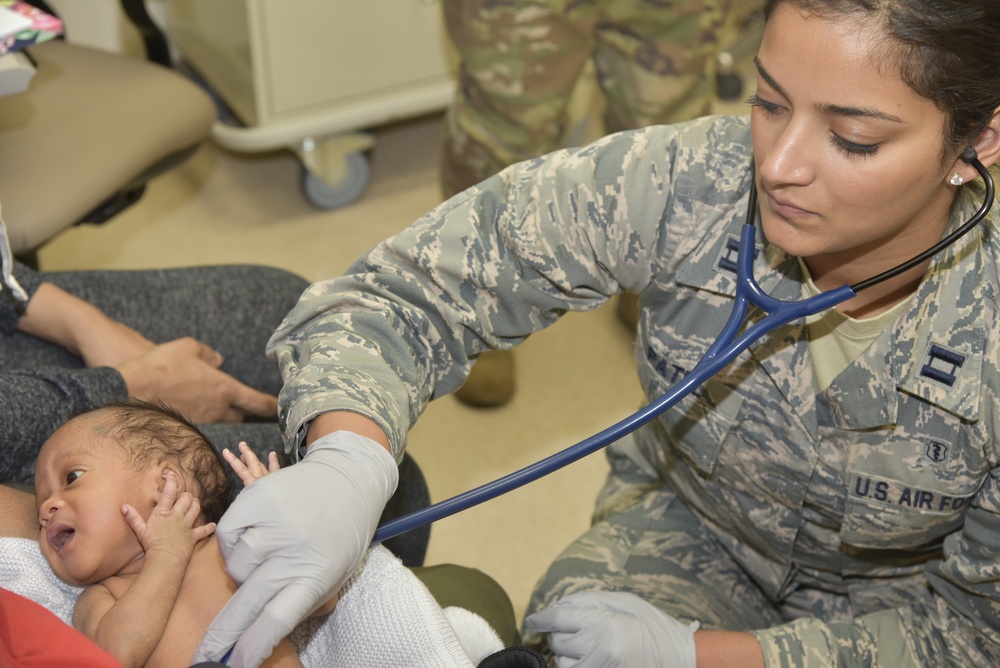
[937,347]
[933,351]
[783,354]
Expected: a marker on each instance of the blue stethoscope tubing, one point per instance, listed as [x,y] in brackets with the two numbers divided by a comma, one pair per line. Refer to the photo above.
[726,347]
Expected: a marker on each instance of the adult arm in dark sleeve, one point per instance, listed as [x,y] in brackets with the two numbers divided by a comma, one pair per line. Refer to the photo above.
[118,361]
[37,400]
[183,373]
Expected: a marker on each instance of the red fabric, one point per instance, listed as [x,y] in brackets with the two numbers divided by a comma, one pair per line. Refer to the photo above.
[32,637]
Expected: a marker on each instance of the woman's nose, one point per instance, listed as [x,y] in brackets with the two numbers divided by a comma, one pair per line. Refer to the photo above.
[789,158]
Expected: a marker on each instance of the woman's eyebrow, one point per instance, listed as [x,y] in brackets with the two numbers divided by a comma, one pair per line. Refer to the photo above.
[858,111]
[768,78]
[828,108]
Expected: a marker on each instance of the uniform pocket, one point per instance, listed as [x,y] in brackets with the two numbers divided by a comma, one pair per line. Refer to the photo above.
[911,488]
[887,513]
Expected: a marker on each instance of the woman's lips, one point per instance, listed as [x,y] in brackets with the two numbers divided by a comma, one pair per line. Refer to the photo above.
[786,209]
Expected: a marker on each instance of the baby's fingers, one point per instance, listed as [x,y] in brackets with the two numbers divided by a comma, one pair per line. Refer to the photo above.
[248,467]
[186,504]
[244,466]
[204,531]
[256,467]
[169,494]
[249,458]
[134,520]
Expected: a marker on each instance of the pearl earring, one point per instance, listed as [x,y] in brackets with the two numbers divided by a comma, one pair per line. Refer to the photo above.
[956,179]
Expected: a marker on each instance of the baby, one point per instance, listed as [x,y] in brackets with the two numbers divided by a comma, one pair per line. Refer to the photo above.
[128,496]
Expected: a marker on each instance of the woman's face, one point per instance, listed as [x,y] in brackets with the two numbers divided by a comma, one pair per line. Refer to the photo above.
[849,158]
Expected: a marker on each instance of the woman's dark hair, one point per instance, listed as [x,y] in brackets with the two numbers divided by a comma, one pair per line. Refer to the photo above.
[946,50]
[152,433]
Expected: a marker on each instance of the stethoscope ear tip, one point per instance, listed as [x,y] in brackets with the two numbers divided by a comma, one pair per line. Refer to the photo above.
[968,155]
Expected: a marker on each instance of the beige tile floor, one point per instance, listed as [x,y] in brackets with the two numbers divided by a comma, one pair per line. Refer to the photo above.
[573,379]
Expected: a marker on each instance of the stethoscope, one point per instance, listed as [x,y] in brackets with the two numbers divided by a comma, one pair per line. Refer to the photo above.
[726,347]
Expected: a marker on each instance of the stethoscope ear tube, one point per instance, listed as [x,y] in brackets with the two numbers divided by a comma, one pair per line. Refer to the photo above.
[946,241]
[726,347]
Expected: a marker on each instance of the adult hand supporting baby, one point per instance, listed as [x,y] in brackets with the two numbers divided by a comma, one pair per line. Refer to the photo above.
[291,540]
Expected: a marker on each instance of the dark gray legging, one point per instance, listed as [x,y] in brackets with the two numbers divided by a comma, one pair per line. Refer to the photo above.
[234,309]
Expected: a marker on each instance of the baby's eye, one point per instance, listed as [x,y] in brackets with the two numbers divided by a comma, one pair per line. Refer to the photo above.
[72,476]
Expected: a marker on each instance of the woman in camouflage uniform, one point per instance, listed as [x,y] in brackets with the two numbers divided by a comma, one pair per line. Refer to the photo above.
[832,497]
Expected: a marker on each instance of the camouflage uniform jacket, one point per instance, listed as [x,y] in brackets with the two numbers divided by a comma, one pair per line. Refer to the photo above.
[884,489]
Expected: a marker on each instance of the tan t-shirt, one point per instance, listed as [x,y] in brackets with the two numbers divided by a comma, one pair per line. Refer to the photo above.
[835,339]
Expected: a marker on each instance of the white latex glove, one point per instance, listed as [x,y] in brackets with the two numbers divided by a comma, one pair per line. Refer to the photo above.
[291,540]
[607,629]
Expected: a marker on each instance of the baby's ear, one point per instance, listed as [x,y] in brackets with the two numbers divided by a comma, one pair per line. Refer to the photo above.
[157,480]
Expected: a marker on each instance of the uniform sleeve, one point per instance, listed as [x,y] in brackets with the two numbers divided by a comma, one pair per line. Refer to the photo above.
[38,401]
[898,638]
[482,271]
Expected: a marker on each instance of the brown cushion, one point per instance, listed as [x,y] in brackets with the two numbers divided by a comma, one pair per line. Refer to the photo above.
[90,123]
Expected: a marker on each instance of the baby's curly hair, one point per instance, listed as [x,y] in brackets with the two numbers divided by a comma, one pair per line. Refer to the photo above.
[152,433]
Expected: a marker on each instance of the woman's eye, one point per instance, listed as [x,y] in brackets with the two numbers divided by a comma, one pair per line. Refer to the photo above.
[72,476]
[854,149]
[756,102]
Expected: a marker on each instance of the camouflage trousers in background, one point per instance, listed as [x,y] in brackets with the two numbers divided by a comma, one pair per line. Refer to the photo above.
[521,59]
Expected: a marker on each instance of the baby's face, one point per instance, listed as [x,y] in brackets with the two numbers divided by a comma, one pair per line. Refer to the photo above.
[81,482]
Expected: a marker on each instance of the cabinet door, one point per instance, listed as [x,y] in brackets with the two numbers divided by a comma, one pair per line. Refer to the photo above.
[315,53]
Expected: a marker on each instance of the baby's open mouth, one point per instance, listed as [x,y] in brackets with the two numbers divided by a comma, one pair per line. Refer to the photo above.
[59,536]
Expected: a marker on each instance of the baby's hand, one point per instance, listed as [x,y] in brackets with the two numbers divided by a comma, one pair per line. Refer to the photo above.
[247,466]
[171,526]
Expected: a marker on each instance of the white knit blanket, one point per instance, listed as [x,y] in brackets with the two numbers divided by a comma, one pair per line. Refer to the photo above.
[24,571]
[385,616]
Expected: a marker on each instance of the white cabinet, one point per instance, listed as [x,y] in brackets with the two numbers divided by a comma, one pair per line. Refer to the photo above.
[312,75]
